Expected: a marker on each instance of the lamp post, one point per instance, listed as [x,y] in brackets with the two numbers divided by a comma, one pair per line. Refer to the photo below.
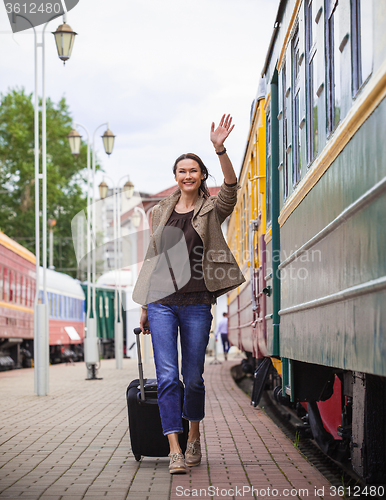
[91,352]
[128,189]
[41,343]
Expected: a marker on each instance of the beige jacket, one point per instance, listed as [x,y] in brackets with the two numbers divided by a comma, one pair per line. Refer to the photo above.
[220,269]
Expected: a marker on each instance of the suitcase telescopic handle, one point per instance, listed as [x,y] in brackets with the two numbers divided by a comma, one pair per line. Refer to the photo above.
[137,332]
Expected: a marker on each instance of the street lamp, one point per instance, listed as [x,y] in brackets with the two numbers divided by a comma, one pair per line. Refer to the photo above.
[128,190]
[91,354]
[108,141]
[75,140]
[103,188]
[136,219]
[64,38]
[41,342]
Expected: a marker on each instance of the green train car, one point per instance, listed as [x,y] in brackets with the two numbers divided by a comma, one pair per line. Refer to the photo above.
[326,172]
[318,274]
[105,299]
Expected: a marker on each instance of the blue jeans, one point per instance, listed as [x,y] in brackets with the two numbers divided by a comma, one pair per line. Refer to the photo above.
[194,322]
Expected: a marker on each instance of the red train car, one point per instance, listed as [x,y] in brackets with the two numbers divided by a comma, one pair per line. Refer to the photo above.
[17,293]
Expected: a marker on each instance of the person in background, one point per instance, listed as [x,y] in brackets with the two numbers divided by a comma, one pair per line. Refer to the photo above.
[222,329]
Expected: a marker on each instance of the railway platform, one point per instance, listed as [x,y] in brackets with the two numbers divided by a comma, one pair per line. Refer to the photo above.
[74,443]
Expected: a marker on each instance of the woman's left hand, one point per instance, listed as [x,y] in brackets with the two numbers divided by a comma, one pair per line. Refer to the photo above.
[218,135]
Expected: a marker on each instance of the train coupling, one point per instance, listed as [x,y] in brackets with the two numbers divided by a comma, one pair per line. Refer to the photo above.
[344,432]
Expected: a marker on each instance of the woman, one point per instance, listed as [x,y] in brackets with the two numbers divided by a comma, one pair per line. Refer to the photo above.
[177,300]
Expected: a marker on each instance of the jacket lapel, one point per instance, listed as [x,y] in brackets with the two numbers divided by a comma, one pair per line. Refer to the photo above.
[167,206]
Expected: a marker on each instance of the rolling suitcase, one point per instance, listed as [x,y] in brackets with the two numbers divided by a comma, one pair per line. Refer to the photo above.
[145,426]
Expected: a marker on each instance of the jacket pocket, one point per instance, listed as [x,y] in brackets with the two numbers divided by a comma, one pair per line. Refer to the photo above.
[219,256]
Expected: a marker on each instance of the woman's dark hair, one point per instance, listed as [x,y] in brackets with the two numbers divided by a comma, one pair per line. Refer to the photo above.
[204,170]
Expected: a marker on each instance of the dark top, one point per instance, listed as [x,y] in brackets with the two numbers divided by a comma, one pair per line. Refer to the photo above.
[195,291]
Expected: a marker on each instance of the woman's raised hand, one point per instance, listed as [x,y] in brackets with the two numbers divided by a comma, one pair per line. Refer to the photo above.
[218,135]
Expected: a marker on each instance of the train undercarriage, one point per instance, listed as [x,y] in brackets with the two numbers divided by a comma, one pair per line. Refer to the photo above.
[343,411]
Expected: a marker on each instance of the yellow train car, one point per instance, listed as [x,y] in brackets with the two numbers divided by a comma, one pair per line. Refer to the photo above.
[245,235]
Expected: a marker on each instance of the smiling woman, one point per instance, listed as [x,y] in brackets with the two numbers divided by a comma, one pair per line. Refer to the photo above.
[191,175]
[197,218]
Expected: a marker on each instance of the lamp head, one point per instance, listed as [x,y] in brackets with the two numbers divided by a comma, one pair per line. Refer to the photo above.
[136,219]
[64,38]
[103,188]
[128,189]
[75,140]
[108,141]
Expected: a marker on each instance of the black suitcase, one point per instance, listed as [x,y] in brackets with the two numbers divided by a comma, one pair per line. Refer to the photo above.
[144,418]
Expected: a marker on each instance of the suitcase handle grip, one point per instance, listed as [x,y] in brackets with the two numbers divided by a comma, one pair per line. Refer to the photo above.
[137,331]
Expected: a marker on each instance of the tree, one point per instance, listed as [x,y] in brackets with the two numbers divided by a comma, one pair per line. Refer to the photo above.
[65,175]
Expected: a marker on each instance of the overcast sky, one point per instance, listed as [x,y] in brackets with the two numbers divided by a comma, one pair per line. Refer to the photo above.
[159,71]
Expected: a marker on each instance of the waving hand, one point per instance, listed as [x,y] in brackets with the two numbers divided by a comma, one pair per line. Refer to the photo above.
[218,135]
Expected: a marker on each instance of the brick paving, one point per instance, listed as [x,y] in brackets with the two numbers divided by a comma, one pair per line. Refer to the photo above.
[73,443]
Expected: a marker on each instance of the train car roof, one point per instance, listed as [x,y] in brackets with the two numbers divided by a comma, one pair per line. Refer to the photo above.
[276,27]
[11,244]
[109,279]
[62,284]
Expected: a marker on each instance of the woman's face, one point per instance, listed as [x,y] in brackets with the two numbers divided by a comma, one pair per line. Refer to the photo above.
[188,176]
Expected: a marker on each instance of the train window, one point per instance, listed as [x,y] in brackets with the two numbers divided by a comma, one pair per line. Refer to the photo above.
[107,306]
[6,285]
[1,283]
[296,156]
[17,288]
[333,87]
[361,42]
[242,226]
[248,220]
[100,306]
[285,131]
[312,98]
[32,291]
[22,290]
[268,168]
[11,286]
[28,292]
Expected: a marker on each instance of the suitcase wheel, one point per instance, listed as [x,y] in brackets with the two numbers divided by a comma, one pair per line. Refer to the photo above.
[137,457]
